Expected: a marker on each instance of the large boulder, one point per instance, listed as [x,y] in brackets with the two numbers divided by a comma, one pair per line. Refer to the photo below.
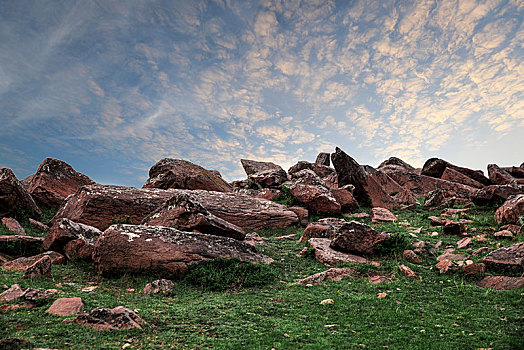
[496,194]
[75,239]
[182,174]
[455,176]
[499,176]
[186,214]
[398,193]
[509,258]
[396,162]
[54,181]
[345,198]
[435,167]
[501,282]
[264,174]
[308,189]
[14,196]
[323,228]
[511,211]
[322,159]
[102,205]
[355,237]
[163,251]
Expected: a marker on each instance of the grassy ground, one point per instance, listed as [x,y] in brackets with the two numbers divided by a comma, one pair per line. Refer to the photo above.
[433,312]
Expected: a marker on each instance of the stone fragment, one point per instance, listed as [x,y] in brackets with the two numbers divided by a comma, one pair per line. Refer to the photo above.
[103,319]
[501,282]
[13,293]
[406,271]
[163,286]
[33,295]
[481,250]
[345,197]
[509,258]
[474,269]
[253,239]
[308,189]
[333,274]
[435,167]
[13,226]
[66,307]
[23,263]
[496,194]
[264,174]
[323,228]
[396,162]
[411,256]
[38,225]
[382,215]
[330,257]
[511,211]
[451,256]
[40,268]
[453,228]
[503,234]
[515,229]
[355,237]
[500,176]
[302,214]
[14,196]
[379,279]
[464,242]
[74,239]
[443,266]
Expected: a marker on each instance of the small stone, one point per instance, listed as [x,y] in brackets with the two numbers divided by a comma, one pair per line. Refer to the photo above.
[481,250]
[102,318]
[162,286]
[463,243]
[327,301]
[382,295]
[444,265]
[406,271]
[411,256]
[453,228]
[12,293]
[501,282]
[382,215]
[66,307]
[474,269]
[379,279]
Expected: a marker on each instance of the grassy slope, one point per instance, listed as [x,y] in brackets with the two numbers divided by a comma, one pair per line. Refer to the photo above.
[438,312]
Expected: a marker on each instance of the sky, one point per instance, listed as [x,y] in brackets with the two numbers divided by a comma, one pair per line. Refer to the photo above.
[111,87]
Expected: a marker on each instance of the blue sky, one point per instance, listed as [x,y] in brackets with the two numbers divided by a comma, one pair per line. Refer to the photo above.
[111,87]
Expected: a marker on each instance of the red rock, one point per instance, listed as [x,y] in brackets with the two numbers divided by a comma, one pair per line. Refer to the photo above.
[23,263]
[435,167]
[503,234]
[496,194]
[322,159]
[359,215]
[506,258]
[515,229]
[411,256]
[321,170]
[501,282]
[103,319]
[420,246]
[474,269]
[382,215]
[13,226]
[348,203]
[101,205]
[330,257]
[396,162]
[450,256]
[64,231]
[481,250]
[268,194]
[355,237]
[33,295]
[79,249]
[163,251]
[308,189]
[54,181]
[333,274]
[379,279]
[443,266]
[406,271]
[184,212]
[464,242]
[516,172]
[16,245]
[66,307]
[38,225]
[434,249]
[435,221]
[12,294]
[511,211]
[265,174]
[500,176]
[177,173]
[453,228]
[302,214]
[13,195]
[40,268]
[452,212]
[398,193]
[164,287]
[323,228]
[455,176]
[253,239]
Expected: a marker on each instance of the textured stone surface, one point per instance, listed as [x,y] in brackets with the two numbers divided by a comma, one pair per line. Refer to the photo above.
[412,257]
[163,286]
[13,195]
[308,189]
[501,282]
[13,226]
[382,215]
[163,251]
[333,274]
[345,198]
[453,228]
[396,162]
[23,263]
[54,181]
[17,245]
[455,176]
[66,307]
[323,228]
[435,167]
[103,319]
[355,237]
[500,176]
[40,268]
[506,258]
[11,294]
[177,173]
[511,211]
[64,231]
[331,257]
[496,194]
[406,271]
[322,159]
[265,174]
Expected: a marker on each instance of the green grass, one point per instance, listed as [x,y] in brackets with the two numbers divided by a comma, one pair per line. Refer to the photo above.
[435,311]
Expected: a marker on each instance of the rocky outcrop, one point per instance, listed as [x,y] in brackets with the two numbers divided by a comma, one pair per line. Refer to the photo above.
[102,205]
[355,237]
[309,190]
[506,258]
[264,174]
[396,162]
[499,176]
[186,214]
[496,194]
[40,268]
[163,251]
[14,196]
[74,239]
[54,181]
[455,176]
[182,174]
[511,211]
[435,167]
[323,228]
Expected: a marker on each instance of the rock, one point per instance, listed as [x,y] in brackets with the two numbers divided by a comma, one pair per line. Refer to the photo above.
[309,190]
[379,279]
[411,256]
[33,295]
[264,174]
[474,269]
[453,228]
[398,193]
[253,239]
[327,301]
[516,172]
[453,212]
[501,282]
[13,226]
[322,159]
[321,170]
[290,237]
[333,274]
[103,319]
[66,307]
[182,174]
[515,229]
[13,343]
[14,196]
[355,237]
[434,249]
[12,294]
[451,256]
[323,228]
[496,194]
[500,176]
[382,215]
[16,245]
[164,287]
[23,263]
[435,221]
[435,167]
[359,215]
[330,257]
[481,250]
[440,198]
[443,266]
[38,225]
[64,232]
[345,198]
[420,247]
[101,205]
[463,243]
[163,251]
[79,249]
[503,234]
[406,271]
[244,211]
[40,268]
[185,213]
[302,214]
[509,258]
[54,181]
[455,176]
[511,211]
[396,162]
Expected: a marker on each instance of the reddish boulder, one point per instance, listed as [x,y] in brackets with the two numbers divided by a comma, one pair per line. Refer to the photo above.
[501,282]
[506,258]
[66,307]
[40,268]
[309,190]
[38,225]
[322,159]
[264,174]
[23,263]
[333,274]
[398,193]
[323,228]
[454,176]
[14,196]
[16,245]
[13,226]
[345,198]
[163,286]
[355,237]
[453,228]
[496,194]
[185,213]
[177,173]
[500,176]
[382,215]
[103,319]
[54,181]
[12,294]
[511,211]
[516,172]
[163,251]
[394,161]
[102,205]
[435,167]
[331,257]
[65,231]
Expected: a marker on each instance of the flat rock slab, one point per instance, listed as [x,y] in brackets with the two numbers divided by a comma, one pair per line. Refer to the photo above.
[13,226]
[17,245]
[331,257]
[506,258]
[501,282]
[103,319]
[333,274]
[66,307]
[163,251]
[23,263]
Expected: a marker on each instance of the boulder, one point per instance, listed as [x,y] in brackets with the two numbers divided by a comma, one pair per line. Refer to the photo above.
[382,215]
[164,287]
[74,239]
[40,268]
[182,174]
[331,257]
[474,269]
[302,214]
[455,176]
[440,198]
[390,186]
[355,237]
[323,228]
[17,245]
[509,258]
[516,172]
[11,294]
[501,282]
[103,319]
[308,189]
[54,181]
[500,176]
[333,274]
[66,307]
[435,167]
[396,162]
[345,198]
[496,194]
[14,196]
[453,228]
[322,159]
[102,205]
[185,213]
[264,174]
[13,226]
[23,263]
[163,251]
[511,211]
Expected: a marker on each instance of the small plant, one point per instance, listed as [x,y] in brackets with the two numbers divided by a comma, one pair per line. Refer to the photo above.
[394,245]
[122,220]
[285,197]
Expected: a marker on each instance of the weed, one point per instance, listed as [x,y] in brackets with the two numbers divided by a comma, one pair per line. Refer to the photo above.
[285,197]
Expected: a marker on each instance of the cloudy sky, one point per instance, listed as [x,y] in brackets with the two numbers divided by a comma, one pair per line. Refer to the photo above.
[111,87]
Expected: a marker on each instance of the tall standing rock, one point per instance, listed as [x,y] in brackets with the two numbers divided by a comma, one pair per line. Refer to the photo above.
[182,174]
[14,196]
[54,181]
[435,167]
[322,159]
[265,174]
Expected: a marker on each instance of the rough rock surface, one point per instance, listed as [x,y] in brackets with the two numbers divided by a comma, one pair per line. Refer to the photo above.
[440,198]
[185,213]
[13,195]
[64,231]
[333,274]
[501,282]
[23,263]
[345,198]
[54,181]
[101,205]
[382,215]
[455,176]
[16,245]
[308,189]
[13,226]
[500,176]
[506,258]
[435,167]
[412,257]
[331,257]
[511,211]
[355,237]
[164,287]
[265,174]
[177,173]
[40,268]
[323,228]
[496,194]
[406,271]
[302,214]
[396,162]
[102,319]
[11,294]
[163,251]
[453,228]
[322,159]
[66,307]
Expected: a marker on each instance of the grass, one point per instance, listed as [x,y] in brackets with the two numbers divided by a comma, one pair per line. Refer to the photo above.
[435,311]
